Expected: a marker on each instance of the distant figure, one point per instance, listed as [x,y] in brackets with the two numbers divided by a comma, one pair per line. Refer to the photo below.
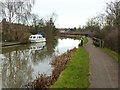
[81,43]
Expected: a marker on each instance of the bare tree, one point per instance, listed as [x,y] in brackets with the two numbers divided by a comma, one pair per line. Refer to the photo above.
[37,24]
[34,20]
[54,17]
[113,13]
[17,11]
[24,11]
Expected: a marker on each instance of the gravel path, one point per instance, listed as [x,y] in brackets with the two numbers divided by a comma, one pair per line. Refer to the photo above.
[103,68]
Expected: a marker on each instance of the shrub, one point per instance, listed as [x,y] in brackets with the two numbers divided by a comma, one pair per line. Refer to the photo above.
[111,40]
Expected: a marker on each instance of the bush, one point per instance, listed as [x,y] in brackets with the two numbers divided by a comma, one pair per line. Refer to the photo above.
[25,37]
[111,40]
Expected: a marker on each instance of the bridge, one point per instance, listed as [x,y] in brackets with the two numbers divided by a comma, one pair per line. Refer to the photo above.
[72,34]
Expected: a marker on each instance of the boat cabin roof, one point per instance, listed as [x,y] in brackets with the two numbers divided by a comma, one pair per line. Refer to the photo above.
[36,35]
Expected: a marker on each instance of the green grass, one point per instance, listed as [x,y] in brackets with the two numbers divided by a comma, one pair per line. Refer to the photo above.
[76,74]
[78,37]
[115,55]
[85,40]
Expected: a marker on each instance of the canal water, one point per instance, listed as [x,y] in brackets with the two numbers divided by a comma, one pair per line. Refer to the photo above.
[23,63]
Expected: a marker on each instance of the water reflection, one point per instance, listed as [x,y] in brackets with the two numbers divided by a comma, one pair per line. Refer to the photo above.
[23,63]
[37,46]
[16,70]
[66,44]
[2,57]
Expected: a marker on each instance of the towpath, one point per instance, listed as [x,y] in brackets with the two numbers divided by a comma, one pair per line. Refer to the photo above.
[103,68]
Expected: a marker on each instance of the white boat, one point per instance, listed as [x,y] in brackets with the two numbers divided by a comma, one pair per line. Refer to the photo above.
[37,38]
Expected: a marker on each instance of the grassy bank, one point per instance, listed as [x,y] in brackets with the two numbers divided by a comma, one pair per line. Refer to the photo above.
[76,74]
[85,40]
[115,55]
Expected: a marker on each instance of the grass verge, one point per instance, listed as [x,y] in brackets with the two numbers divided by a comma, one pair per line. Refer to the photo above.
[76,74]
[115,55]
[85,40]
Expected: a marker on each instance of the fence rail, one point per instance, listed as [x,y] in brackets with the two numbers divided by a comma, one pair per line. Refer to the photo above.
[98,42]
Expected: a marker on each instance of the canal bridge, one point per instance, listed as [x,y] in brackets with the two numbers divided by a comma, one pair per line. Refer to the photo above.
[72,34]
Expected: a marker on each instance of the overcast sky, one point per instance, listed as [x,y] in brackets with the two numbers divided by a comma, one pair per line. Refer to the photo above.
[70,13]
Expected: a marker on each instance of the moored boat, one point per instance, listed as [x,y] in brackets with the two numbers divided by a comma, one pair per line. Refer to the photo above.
[37,38]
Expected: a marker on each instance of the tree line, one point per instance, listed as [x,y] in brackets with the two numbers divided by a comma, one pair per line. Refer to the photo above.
[17,13]
[106,26]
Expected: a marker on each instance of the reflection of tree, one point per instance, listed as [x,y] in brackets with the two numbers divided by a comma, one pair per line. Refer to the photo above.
[16,70]
[37,56]
[55,43]
[50,41]
[51,44]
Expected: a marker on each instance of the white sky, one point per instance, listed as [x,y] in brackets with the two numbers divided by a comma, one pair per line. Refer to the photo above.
[70,13]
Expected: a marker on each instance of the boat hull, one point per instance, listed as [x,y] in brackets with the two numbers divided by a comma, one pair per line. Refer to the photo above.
[39,40]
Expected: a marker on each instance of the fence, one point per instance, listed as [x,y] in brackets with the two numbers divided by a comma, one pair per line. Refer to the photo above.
[98,42]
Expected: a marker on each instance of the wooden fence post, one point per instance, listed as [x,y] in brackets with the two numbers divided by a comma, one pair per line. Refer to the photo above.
[98,42]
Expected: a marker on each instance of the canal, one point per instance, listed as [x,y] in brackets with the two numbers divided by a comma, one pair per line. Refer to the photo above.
[23,63]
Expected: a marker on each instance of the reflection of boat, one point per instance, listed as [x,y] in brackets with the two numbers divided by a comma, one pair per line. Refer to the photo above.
[37,38]
[37,46]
